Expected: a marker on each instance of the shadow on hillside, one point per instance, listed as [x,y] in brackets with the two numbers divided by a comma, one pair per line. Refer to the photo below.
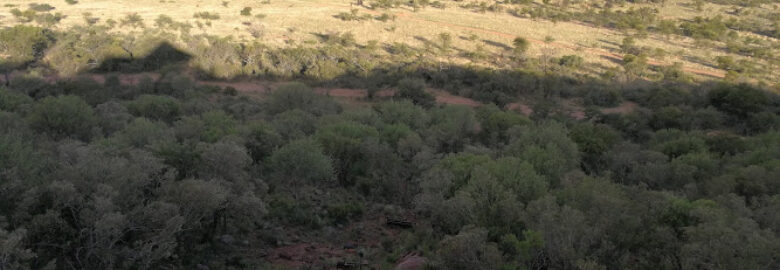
[613,46]
[697,60]
[497,44]
[163,55]
[612,59]
[424,40]
[500,86]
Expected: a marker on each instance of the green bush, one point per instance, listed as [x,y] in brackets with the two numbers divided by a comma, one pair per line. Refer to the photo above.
[205,15]
[133,19]
[571,61]
[705,28]
[301,162]
[292,96]
[41,7]
[352,15]
[63,116]
[740,100]
[13,102]
[384,17]
[521,45]
[602,97]
[414,90]
[341,213]
[155,107]
[247,11]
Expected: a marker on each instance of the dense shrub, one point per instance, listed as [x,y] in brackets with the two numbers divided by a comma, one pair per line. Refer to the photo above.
[414,90]
[63,116]
[572,61]
[299,96]
[301,162]
[602,97]
[706,28]
[155,107]
[740,100]
[166,173]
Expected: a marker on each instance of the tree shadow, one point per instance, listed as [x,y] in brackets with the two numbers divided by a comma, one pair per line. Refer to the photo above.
[321,37]
[611,46]
[612,59]
[697,60]
[497,44]
[614,44]
[163,55]
[424,40]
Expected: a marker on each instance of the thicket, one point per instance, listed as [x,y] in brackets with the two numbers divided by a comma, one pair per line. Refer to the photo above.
[165,173]
[143,178]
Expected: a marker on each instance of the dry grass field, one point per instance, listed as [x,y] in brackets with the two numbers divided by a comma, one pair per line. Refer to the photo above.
[291,22]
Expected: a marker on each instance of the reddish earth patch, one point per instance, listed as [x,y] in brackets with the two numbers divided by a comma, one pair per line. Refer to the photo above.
[522,108]
[625,107]
[126,79]
[342,92]
[341,246]
[298,255]
[447,98]
[573,109]
[577,114]
[411,261]
[249,86]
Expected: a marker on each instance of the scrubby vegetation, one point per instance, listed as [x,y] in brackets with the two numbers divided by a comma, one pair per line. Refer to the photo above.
[143,145]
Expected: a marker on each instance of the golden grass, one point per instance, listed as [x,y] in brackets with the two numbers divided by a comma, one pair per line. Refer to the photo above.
[290,22]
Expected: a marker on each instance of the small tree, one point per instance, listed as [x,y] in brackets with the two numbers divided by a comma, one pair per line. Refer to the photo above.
[301,162]
[667,28]
[725,62]
[634,65]
[247,11]
[572,61]
[414,90]
[521,46]
[446,42]
[133,19]
[20,45]
[628,45]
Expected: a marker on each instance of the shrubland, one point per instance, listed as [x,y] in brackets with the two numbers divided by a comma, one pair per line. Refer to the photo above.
[131,146]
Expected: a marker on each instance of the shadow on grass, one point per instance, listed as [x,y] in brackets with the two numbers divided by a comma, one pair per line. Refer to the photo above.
[163,55]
